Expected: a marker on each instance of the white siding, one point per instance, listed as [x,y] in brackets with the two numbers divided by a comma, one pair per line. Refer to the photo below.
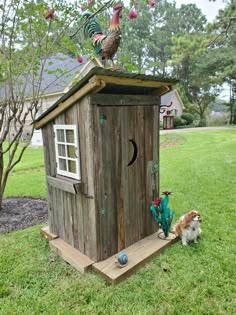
[176,104]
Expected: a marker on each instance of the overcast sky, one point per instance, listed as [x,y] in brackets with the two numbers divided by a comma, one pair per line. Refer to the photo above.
[210,9]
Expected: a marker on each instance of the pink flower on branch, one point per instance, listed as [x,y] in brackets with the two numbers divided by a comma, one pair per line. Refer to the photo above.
[132,15]
[90,3]
[80,59]
[50,14]
[152,3]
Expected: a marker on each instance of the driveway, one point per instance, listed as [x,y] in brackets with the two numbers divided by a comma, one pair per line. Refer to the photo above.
[196,129]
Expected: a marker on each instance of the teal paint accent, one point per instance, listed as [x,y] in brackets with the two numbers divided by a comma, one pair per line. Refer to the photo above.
[154,166]
[102,120]
[103,212]
[122,259]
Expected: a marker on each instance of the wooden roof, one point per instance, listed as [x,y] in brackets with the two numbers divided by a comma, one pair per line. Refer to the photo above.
[100,79]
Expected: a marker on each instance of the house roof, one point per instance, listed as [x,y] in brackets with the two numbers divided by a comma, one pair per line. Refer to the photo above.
[110,82]
[58,72]
[168,97]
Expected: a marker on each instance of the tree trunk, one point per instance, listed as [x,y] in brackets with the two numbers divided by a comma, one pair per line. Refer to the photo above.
[1,175]
[234,113]
[201,109]
[1,197]
[201,115]
[231,113]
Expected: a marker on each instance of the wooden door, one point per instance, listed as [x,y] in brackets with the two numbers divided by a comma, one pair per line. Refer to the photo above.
[127,142]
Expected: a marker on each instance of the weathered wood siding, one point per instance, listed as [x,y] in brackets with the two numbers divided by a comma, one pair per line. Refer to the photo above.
[72,215]
[124,193]
[109,209]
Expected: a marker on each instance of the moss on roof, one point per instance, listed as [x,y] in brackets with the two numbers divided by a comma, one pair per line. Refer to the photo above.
[106,72]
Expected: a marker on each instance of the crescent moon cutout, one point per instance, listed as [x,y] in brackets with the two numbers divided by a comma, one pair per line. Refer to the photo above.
[135,152]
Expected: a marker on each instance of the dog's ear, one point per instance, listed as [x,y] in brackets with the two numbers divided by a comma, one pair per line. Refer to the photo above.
[187,219]
[192,214]
[195,213]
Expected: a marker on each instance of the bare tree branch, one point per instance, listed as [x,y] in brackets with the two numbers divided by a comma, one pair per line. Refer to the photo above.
[232,19]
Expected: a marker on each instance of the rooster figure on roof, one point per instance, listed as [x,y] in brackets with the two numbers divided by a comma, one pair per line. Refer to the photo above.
[105,45]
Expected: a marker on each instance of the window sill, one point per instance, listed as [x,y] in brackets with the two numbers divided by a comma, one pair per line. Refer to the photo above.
[66,184]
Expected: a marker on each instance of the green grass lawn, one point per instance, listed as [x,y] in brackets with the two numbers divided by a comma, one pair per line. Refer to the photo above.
[198,279]
[28,177]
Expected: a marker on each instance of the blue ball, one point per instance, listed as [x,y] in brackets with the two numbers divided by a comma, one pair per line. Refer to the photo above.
[122,258]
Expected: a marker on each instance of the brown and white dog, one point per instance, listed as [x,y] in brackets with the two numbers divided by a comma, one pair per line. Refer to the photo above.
[188,227]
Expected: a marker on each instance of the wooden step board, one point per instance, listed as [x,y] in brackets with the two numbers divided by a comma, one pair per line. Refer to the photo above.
[71,255]
[138,254]
[49,235]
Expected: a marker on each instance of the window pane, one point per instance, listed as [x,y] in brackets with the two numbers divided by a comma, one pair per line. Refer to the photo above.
[61,150]
[70,137]
[168,122]
[72,166]
[60,135]
[71,151]
[62,164]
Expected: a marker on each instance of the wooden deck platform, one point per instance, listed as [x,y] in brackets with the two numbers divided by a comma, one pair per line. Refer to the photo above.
[50,236]
[138,254]
[71,255]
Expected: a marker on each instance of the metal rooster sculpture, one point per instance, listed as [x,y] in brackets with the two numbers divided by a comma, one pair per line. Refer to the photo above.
[105,45]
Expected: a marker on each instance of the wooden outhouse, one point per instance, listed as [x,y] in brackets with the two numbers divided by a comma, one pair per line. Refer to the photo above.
[101,146]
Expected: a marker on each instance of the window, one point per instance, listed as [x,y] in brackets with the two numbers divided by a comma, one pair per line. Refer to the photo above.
[67,150]
[174,111]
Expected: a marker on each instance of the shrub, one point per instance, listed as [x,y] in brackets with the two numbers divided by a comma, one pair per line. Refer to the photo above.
[218,121]
[202,122]
[184,122]
[188,118]
[179,122]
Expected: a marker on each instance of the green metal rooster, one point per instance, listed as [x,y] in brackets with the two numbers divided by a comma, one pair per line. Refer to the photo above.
[105,45]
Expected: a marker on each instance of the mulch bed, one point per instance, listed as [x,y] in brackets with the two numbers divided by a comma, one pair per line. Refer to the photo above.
[19,213]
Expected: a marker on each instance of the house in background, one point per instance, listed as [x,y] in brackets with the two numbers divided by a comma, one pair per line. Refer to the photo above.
[72,73]
[60,73]
[177,107]
[57,90]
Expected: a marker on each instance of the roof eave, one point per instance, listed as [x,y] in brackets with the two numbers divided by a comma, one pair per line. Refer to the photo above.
[97,82]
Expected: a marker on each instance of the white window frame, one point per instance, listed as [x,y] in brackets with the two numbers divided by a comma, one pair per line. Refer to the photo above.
[76,175]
